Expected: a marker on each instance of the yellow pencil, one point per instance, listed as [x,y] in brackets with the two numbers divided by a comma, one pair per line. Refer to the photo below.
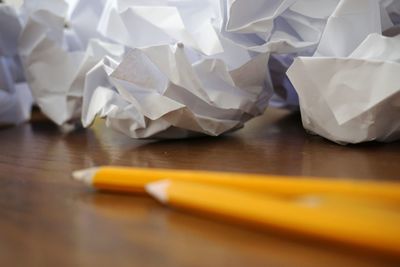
[377,229]
[127,179]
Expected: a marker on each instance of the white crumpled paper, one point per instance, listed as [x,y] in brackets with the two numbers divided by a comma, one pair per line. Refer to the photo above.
[201,68]
[158,92]
[285,26]
[292,28]
[180,78]
[175,68]
[350,90]
[286,29]
[57,50]
[15,97]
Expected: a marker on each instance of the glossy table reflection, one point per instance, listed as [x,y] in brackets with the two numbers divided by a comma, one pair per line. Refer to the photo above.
[48,220]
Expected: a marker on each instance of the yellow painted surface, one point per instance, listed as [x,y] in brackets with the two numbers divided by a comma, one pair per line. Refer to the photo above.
[134,180]
[365,226]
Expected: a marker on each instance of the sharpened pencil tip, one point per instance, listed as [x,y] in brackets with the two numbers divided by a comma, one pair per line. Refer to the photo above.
[158,190]
[85,176]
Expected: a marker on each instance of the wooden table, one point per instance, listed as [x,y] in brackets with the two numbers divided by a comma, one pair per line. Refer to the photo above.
[46,219]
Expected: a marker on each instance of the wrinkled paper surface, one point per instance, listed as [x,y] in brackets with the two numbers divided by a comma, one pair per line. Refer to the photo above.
[351,95]
[203,63]
[175,68]
[15,97]
[181,76]
[57,50]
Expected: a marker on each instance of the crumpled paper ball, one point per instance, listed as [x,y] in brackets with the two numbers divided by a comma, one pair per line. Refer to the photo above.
[156,92]
[180,78]
[349,90]
[354,99]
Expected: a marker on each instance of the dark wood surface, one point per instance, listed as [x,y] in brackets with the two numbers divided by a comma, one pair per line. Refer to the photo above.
[46,219]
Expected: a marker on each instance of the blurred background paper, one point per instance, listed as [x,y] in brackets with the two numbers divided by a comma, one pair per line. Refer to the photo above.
[348,25]
[83,17]
[149,23]
[57,51]
[285,26]
[285,29]
[15,97]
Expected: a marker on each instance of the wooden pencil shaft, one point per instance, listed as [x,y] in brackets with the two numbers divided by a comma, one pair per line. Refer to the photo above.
[134,180]
[369,228]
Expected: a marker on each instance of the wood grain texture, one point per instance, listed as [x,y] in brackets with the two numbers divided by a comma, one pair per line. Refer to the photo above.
[48,220]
